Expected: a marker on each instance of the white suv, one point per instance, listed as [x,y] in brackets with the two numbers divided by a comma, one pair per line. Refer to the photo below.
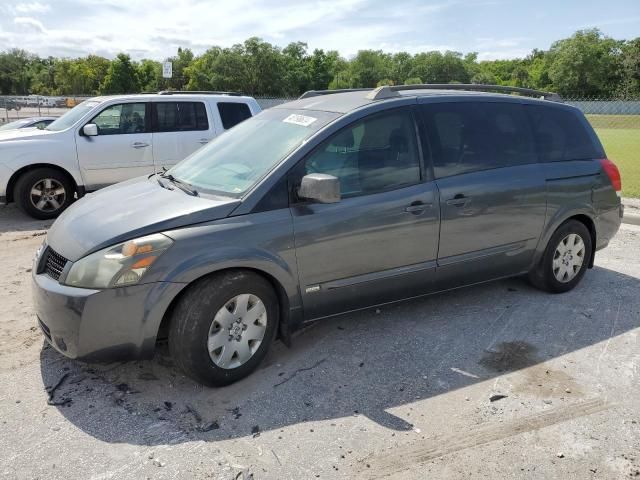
[106,140]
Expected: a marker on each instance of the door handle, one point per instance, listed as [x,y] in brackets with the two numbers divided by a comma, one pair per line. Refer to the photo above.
[139,144]
[417,207]
[203,141]
[459,200]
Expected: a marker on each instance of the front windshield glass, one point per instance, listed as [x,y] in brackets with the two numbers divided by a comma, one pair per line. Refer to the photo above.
[72,116]
[236,160]
[14,125]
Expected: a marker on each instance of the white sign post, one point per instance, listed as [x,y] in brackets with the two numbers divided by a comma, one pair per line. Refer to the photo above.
[167,70]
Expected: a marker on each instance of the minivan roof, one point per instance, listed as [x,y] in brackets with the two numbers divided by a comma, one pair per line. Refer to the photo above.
[347,101]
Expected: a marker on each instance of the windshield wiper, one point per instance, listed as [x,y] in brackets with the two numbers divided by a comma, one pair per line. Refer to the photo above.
[182,185]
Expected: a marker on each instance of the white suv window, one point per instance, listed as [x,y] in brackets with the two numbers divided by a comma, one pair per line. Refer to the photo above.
[123,118]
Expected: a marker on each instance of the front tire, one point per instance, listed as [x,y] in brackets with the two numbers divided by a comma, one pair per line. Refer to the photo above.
[222,327]
[565,259]
[43,193]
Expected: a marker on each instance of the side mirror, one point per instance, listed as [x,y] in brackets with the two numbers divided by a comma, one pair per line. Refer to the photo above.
[320,187]
[90,130]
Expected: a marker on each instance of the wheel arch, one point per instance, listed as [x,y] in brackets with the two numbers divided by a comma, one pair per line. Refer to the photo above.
[584,216]
[34,166]
[284,304]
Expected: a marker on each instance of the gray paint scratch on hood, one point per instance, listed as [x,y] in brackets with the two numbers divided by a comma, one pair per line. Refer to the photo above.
[129,210]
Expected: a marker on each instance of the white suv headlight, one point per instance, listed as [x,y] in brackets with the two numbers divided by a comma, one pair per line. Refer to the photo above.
[120,265]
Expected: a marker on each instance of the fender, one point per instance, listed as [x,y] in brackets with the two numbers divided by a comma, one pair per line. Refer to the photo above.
[282,273]
[558,218]
[54,149]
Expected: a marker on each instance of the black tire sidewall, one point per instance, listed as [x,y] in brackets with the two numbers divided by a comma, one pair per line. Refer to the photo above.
[571,226]
[192,317]
[27,180]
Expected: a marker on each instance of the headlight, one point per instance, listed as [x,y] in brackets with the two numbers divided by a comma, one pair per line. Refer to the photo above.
[120,265]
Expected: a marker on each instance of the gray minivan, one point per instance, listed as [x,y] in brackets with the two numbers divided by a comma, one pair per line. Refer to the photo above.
[340,200]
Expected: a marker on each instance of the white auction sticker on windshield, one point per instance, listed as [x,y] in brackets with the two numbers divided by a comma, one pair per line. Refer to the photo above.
[300,119]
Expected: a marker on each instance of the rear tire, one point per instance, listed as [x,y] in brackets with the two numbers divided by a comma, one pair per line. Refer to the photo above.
[43,193]
[565,260]
[214,337]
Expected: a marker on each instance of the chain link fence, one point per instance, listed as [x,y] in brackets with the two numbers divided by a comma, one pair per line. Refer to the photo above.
[616,121]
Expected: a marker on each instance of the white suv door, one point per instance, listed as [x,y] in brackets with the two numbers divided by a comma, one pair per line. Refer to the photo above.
[179,129]
[121,150]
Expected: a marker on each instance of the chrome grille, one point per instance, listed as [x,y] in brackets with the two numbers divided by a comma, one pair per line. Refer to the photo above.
[54,263]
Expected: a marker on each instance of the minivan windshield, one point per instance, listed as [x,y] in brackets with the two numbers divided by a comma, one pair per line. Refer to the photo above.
[236,160]
[72,116]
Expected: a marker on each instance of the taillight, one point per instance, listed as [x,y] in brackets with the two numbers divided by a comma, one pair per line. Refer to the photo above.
[612,172]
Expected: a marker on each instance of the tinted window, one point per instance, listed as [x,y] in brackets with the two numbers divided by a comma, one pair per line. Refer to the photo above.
[233,113]
[121,119]
[560,135]
[375,154]
[180,116]
[470,136]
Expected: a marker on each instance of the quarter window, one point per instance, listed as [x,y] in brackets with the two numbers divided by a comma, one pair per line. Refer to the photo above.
[560,135]
[180,116]
[233,113]
[471,136]
[373,155]
[123,118]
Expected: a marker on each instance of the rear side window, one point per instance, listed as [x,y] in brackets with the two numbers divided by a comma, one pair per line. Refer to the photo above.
[560,135]
[180,116]
[471,136]
[232,114]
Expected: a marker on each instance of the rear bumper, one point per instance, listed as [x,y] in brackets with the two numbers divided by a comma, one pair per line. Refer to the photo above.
[101,325]
[607,225]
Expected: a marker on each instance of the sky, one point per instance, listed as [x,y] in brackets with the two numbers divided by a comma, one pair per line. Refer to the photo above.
[156,28]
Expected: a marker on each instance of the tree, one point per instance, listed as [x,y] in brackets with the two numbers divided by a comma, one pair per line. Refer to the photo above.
[121,77]
[14,72]
[435,67]
[297,75]
[588,63]
[179,64]
[322,68]
[149,74]
[368,67]
[400,68]
[413,81]
[201,71]
[630,82]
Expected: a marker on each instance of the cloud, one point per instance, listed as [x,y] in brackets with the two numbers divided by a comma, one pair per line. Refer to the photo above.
[32,8]
[30,23]
[155,28]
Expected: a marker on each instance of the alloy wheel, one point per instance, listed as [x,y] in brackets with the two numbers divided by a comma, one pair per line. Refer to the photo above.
[47,195]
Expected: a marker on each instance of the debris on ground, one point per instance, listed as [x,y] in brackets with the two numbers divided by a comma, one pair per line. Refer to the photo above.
[496,397]
[52,390]
[255,431]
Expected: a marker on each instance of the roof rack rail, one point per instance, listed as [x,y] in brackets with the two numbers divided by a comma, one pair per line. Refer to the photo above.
[197,92]
[392,90]
[317,93]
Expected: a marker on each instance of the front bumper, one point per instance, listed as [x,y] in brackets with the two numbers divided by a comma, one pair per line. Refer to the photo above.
[101,325]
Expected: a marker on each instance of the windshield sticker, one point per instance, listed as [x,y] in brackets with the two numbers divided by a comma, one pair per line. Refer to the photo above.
[299,120]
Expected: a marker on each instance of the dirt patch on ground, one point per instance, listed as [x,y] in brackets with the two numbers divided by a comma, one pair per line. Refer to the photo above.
[509,356]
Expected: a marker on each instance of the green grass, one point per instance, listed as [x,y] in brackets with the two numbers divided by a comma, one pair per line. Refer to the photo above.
[620,135]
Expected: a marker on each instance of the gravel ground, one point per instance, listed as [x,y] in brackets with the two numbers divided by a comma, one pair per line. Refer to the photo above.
[401,392]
